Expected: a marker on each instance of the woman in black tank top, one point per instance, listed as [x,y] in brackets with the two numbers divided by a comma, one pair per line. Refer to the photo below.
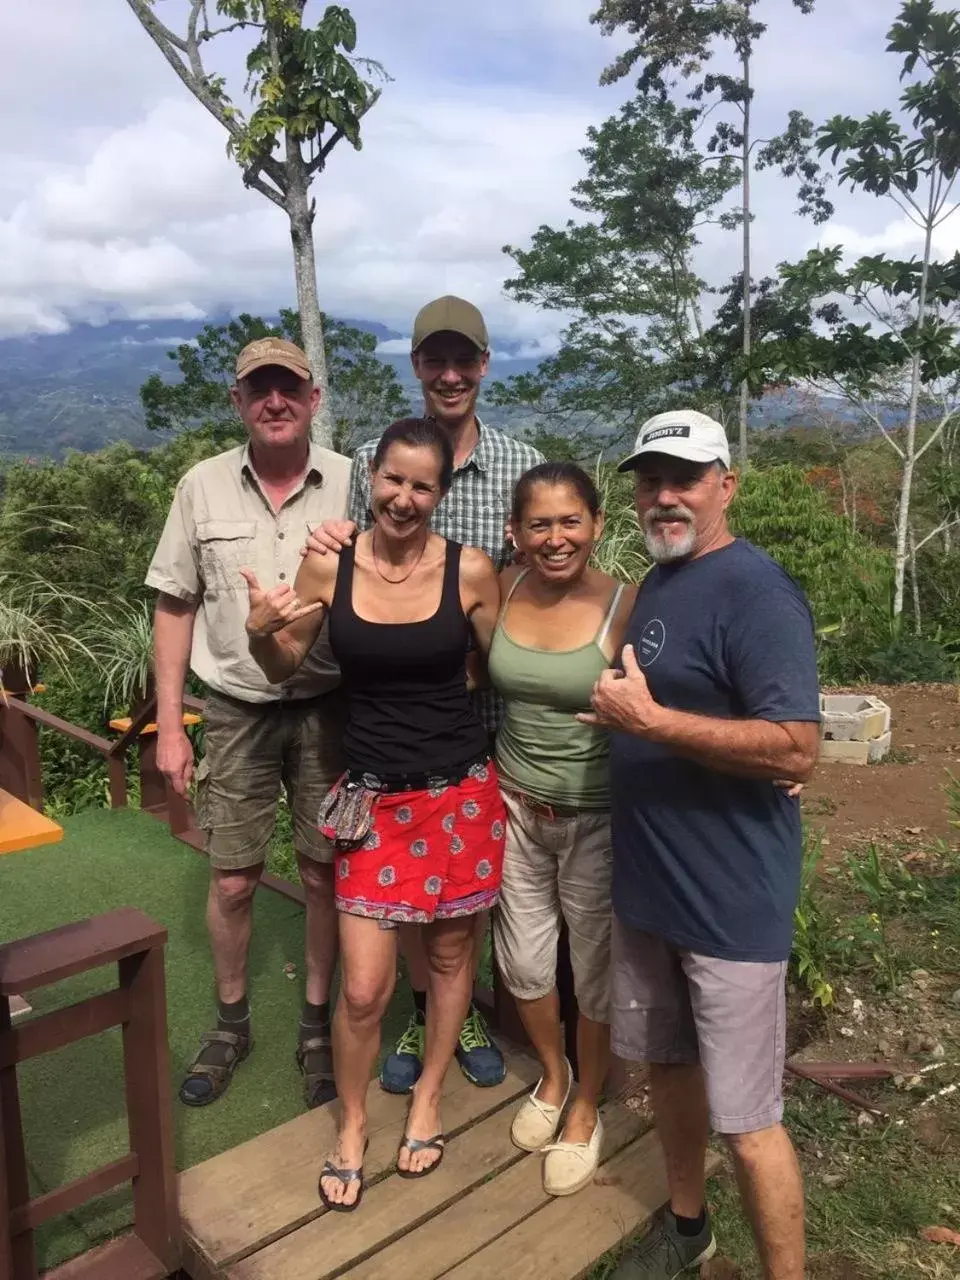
[417,819]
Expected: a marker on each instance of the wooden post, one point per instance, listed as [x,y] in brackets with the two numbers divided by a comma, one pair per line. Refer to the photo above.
[146,1062]
[20,756]
[20,1247]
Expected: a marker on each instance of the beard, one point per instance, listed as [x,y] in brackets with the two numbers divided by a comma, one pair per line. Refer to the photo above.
[662,547]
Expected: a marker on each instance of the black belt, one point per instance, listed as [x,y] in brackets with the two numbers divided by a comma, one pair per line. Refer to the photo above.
[386,783]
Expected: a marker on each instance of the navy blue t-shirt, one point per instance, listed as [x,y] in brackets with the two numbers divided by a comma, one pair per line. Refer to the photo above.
[706,860]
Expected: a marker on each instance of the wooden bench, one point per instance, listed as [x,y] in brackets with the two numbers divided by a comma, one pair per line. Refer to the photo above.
[134,943]
[22,827]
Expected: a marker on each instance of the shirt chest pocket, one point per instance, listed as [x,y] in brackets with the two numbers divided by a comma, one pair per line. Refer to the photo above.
[225,547]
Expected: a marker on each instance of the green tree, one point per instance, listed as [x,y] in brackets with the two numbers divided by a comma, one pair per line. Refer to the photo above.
[624,272]
[904,354]
[365,393]
[674,41]
[847,580]
[308,93]
[638,343]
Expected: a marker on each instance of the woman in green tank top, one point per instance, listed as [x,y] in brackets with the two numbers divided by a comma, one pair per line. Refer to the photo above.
[560,625]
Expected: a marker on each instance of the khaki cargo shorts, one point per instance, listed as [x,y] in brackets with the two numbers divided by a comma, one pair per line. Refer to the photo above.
[251,751]
[555,870]
[669,1005]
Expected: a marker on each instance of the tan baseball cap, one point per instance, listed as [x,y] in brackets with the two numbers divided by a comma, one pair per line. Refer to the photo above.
[264,351]
[450,315]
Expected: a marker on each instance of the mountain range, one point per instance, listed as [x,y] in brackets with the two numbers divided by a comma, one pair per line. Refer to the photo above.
[80,389]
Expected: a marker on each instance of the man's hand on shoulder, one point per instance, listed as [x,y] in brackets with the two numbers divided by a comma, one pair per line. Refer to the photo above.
[332,535]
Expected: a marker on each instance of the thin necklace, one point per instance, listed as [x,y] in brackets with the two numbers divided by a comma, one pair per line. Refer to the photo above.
[394,582]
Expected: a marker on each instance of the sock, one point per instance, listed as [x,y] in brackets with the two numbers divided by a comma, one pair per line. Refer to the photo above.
[228,1015]
[420,1004]
[690,1226]
[315,1015]
[314,1018]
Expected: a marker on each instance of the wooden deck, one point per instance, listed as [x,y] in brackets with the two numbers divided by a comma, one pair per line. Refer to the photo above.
[253,1212]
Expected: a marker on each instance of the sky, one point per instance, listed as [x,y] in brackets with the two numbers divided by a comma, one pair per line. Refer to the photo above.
[117,199]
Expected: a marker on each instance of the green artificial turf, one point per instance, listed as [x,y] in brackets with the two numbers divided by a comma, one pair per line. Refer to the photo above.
[72,1100]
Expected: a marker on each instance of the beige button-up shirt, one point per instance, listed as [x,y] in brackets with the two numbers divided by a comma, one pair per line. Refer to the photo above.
[221,520]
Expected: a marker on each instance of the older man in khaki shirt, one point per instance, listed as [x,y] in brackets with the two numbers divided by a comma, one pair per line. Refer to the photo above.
[250,508]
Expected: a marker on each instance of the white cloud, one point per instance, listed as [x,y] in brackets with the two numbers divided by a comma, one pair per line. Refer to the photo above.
[117,198]
[901,236]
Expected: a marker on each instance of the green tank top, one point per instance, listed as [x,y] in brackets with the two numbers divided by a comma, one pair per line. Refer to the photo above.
[542,749]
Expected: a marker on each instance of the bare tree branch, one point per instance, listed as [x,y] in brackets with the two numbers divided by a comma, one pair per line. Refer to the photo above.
[194,77]
[251,178]
[320,159]
[937,432]
[950,523]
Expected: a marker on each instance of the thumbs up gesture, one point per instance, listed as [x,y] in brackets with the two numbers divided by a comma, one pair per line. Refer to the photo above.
[622,699]
[275,609]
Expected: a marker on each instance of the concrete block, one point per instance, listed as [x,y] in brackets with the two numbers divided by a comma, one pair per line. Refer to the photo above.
[845,752]
[878,747]
[853,718]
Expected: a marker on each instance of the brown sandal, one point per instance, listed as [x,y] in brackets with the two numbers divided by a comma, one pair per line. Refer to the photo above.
[230,1048]
[315,1060]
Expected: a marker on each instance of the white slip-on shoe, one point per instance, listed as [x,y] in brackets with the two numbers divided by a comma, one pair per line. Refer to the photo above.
[571,1166]
[537,1122]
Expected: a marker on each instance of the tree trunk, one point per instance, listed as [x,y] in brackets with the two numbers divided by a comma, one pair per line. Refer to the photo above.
[300,213]
[910,444]
[747,287]
[915,584]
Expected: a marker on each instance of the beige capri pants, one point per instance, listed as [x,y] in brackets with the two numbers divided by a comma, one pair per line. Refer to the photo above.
[555,869]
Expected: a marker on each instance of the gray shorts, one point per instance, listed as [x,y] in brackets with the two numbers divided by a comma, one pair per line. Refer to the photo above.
[673,1006]
[250,751]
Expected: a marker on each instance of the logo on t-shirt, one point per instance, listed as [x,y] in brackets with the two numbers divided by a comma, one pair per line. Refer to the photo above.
[651,642]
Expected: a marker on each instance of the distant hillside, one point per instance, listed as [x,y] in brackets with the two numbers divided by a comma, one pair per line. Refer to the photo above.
[80,390]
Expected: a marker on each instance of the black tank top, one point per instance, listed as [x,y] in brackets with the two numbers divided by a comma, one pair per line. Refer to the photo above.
[409,710]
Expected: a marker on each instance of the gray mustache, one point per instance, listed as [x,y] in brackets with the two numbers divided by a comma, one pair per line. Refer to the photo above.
[668,513]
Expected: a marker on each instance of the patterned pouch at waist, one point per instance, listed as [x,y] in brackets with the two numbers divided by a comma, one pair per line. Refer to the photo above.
[346,814]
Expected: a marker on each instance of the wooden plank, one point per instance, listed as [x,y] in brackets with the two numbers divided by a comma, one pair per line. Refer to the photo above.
[488,1211]
[332,1242]
[125,1258]
[45,958]
[254,1194]
[61,1027]
[73,1194]
[565,1240]
[22,827]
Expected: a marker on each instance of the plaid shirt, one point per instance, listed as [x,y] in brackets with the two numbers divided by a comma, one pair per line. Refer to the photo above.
[474,512]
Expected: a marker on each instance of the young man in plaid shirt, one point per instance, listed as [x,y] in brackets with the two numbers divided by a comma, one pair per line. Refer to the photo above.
[450,355]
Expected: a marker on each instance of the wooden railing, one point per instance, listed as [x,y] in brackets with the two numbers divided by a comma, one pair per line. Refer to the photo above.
[20,772]
[135,944]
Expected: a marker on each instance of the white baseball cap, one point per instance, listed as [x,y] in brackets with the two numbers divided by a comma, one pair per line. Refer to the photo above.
[682,433]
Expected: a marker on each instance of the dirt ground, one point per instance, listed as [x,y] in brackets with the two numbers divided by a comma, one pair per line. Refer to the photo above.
[901,800]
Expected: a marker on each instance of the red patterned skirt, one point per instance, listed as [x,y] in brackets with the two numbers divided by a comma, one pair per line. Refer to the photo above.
[430,855]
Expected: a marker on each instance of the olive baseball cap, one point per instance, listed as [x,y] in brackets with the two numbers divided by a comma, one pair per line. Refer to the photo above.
[450,315]
[681,433]
[264,351]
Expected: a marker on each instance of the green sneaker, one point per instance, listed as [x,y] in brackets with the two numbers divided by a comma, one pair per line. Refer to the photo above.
[479,1058]
[665,1254]
[401,1071]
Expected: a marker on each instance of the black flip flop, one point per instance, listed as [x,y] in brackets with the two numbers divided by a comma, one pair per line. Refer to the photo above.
[422,1144]
[345,1177]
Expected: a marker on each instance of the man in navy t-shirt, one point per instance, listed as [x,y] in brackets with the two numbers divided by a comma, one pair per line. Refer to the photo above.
[717,701]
